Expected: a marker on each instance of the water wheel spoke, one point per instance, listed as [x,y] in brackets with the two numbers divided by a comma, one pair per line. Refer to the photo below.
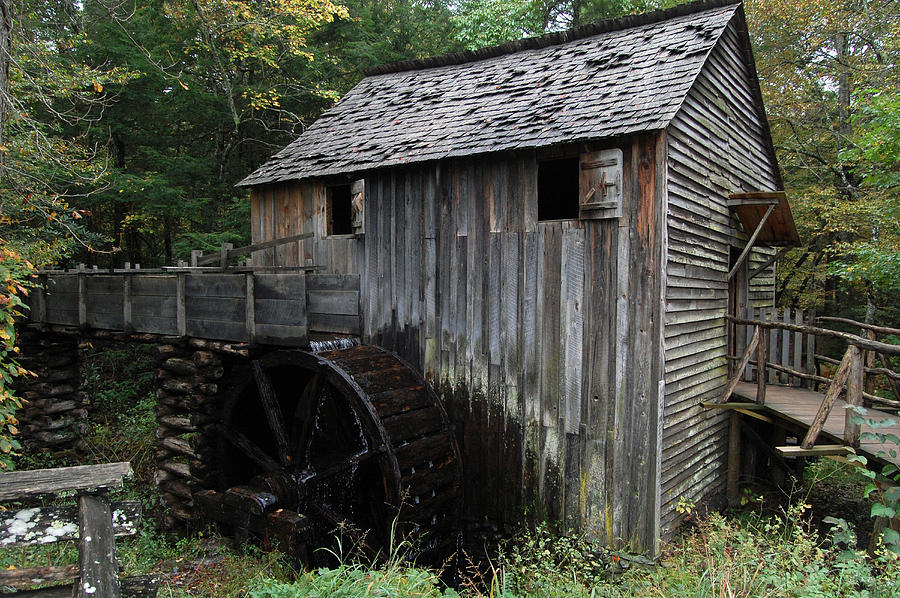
[306,414]
[250,449]
[337,466]
[273,412]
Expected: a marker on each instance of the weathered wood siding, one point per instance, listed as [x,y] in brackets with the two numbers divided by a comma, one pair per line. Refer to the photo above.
[259,307]
[716,147]
[286,209]
[543,337]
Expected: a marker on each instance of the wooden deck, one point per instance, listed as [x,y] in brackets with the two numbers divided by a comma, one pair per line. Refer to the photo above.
[800,406]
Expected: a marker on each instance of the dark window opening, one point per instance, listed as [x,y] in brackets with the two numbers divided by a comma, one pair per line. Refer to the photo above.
[340,219]
[558,189]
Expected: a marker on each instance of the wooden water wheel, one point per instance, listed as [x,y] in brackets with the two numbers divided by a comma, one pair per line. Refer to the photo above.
[352,440]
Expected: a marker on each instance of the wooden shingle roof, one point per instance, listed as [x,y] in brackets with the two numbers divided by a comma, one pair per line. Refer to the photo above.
[612,78]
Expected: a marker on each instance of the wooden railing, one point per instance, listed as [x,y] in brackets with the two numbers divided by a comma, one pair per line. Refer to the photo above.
[94,522]
[244,305]
[850,377]
[228,252]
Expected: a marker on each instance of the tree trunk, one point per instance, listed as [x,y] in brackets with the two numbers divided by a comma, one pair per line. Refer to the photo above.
[845,127]
[6,9]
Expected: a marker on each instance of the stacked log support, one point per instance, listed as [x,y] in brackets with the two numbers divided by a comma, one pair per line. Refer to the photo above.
[54,416]
[188,381]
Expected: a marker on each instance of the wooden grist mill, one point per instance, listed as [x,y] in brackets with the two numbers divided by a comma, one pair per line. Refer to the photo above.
[479,284]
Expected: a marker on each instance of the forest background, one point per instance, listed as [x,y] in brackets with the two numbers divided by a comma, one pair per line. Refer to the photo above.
[124,124]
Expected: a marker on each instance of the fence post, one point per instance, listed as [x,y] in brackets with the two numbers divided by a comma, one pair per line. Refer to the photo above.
[734,460]
[811,351]
[761,350]
[869,381]
[180,307]
[126,303]
[250,306]
[855,382]
[223,254]
[82,296]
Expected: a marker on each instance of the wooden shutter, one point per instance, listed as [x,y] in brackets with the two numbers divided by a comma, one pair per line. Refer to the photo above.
[600,184]
[358,207]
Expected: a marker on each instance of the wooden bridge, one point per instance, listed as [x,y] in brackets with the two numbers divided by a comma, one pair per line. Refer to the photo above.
[777,380]
[281,306]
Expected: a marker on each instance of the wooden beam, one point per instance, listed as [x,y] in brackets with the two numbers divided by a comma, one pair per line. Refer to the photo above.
[736,203]
[224,258]
[891,374]
[734,460]
[739,372]
[757,195]
[82,298]
[743,406]
[41,316]
[762,347]
[126,304]
[823,450]
[862,343]
[180,305]
[32,576]
[772,259]
[97,549]
[250,306]
[24,484]
[872,327]
[234,252]
[756,415]
[831,395]
[855,382]
[750,242]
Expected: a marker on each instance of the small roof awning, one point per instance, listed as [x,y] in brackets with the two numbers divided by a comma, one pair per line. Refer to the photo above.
[751,208]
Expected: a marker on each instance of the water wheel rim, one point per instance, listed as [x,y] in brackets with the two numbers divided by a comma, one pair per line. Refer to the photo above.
[425,495]
[347,393]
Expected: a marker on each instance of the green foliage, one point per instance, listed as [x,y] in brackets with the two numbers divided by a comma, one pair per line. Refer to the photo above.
[828,73]
[481,23]
[541,562]
[14,271]
[351,581]
[765,556]
[885,482]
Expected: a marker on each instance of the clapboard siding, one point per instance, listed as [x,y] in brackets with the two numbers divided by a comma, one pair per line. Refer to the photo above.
[715,147]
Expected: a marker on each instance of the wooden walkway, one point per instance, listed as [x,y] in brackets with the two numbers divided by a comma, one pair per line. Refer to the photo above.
[800,406]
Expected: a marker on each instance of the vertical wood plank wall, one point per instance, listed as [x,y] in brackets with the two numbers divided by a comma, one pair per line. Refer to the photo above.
[540,335]
[715,148]
[543,338]
[287,209]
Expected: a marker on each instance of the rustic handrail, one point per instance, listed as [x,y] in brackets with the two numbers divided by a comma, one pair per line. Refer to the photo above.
[875,371]
[864,326]
[228,252]
[858,341]
[850,373]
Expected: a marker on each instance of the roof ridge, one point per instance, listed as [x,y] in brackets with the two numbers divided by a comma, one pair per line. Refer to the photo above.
[551,39]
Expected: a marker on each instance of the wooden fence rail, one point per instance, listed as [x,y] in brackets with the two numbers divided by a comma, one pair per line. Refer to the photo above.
[789,340]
